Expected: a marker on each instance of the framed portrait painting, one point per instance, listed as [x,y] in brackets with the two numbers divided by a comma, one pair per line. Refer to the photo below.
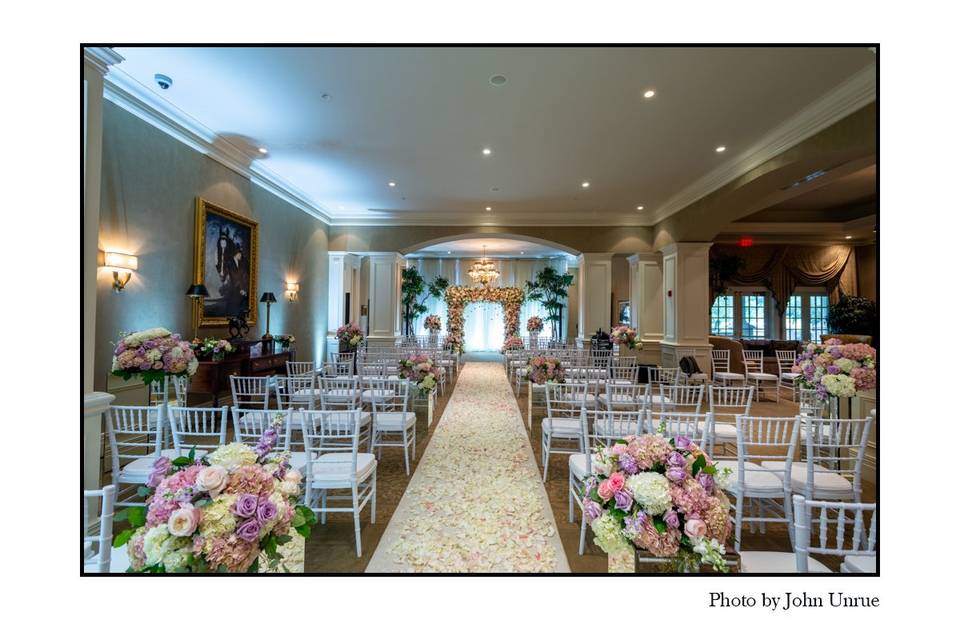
[225,261]
[623,312]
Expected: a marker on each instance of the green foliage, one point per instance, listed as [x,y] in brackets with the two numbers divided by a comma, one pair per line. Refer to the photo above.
[303,519]
[415,291]
[550,287]
[121,538]
[853,315]
[187,460]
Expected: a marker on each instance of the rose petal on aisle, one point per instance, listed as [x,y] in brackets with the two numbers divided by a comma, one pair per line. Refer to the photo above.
[475,503]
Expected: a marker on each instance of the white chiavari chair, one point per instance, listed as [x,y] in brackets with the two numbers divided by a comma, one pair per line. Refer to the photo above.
[810,405]
[671,424]
[720,361]
[617,360]
[332,442]
[340,394]
[624,397]
[753,362]
[700,377]
[96,549]
[760,440]
[608,427]
[249,425]
[302,368]
[250,392]
[200,428]
[857,549]
[159,395]
[562,422]
[298,392]
[134,434]
[786,379]
[340,365]
[624,373]
[663,375]
[394,425]
[677,397]
[726,403]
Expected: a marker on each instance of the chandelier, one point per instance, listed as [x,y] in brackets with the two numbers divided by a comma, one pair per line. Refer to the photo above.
[483,272]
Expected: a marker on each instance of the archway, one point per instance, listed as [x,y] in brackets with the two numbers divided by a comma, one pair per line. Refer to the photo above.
[491,234]
[458,298]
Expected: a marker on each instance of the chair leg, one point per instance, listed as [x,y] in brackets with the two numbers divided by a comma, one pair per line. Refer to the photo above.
[546,457]
[323,506]
[583,532]
[406,453]
[373,500]
[738,523]
[788,514]
[356,519]
[570,499]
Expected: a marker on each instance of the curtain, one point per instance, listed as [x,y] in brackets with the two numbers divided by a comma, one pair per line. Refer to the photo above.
[782,268]
[483,326]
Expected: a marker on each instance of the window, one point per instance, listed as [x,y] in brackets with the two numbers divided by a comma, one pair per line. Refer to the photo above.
[721,317]
[818,316]
[753,316]
[793,319]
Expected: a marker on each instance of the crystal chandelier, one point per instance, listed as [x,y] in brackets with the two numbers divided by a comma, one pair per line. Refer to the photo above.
[483,272]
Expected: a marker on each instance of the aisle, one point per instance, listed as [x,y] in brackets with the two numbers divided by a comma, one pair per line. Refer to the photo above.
[476,502]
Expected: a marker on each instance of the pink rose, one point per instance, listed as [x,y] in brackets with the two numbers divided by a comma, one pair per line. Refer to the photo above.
[695,528]
[604,490]
[183,522]
[212,479]
[616,481]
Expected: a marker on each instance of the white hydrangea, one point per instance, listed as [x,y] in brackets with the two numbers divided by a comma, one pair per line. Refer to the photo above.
[845,364]
[839,385]
[651,490]
[609,535]
[153,544]
[138,338]
[233,456]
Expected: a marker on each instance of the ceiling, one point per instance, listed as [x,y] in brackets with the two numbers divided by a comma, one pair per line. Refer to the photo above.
[339,124]
[495,248]
[846,198]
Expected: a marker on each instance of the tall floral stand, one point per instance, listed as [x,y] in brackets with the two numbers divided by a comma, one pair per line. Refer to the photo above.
[621,561]
[630,560]
[434,338]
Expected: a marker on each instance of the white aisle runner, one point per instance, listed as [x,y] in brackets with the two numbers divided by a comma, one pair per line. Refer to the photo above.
[476,502]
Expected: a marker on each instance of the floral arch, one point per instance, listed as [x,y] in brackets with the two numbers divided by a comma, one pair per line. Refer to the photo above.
[459,297]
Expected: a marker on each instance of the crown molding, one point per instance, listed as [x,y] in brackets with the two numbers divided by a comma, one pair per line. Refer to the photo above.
[102,58]
[124,91]
[469,219]
[854,93]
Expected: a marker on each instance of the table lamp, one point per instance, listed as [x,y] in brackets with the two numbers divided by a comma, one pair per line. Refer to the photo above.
[196,293]
[269,299]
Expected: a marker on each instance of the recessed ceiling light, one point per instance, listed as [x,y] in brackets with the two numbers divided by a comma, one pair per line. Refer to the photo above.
[649,93]
[521,253]
[640,207]
[848,237]
[498,80]
[449,252]
[391,184]
[487,151]
[262,149]
[585,185]
[721,149]
[489,208]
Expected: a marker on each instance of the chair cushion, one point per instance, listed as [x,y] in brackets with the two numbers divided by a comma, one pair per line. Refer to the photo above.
[776,562]
[723,431]
[826,483]
[395,421]
[562,427]
[578,465]
[859,564]
[619,400]
[757,478]
[368,395]
[335,467]
[790,376]
[762,376]
[726,375]
[141,467]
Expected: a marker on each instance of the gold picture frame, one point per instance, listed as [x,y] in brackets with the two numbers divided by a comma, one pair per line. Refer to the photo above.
[225,261]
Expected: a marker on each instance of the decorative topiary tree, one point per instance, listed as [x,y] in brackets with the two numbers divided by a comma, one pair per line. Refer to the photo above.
[854,315]
[412,287]
[550,287]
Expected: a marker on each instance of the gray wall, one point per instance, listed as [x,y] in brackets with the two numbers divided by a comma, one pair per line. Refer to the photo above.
[150,183]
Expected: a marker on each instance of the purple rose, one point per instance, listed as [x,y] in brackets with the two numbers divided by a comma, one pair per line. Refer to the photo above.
[266,510]
[682,442]
[628,463]
[672,519]
[246,505]
[676,474]
[623,499]
[676,459]
[591,510]
[706,481]
[249,530]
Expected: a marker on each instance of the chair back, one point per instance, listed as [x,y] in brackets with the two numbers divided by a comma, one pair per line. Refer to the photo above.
[720,359]
[836,446]
[862,541]
[663,375]
[133,432]
[297,392]
[636,396]
[624,373]
[326,432]
[672,424]
[250,392]
[339,394]
[753,360]
[680,398]
[305,368]
[765,439]
[388,396]
[198,427]
[730,401]
[96,548]
[249,426]
[785,361]
[565,399]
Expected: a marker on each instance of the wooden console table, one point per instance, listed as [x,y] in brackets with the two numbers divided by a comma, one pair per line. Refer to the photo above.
[213,378]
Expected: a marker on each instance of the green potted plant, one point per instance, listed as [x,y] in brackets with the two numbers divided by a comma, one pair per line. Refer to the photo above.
[550,287]
[414,292]
[853,315]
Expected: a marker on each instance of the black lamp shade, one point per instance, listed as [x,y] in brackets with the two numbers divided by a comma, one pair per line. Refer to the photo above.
[268,297]
[197,291]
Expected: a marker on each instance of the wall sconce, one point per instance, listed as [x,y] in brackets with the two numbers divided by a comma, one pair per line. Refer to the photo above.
[292,291]
[122,265]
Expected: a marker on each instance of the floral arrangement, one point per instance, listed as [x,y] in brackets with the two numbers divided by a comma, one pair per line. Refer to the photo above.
[153,354]
[625,335]
[350,336]
[534,324]
[663,496]
[286,339]
[458,297]
[511,344]
[543,369]
[453,343]
[212,347]
[419,369]
[835,369]
[432,323]
[217,514]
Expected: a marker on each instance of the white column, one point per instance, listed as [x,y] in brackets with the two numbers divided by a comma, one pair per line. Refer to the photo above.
[385,276]
[646,303]
[594,291]
[96,61]
[343,274]
[686,302]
